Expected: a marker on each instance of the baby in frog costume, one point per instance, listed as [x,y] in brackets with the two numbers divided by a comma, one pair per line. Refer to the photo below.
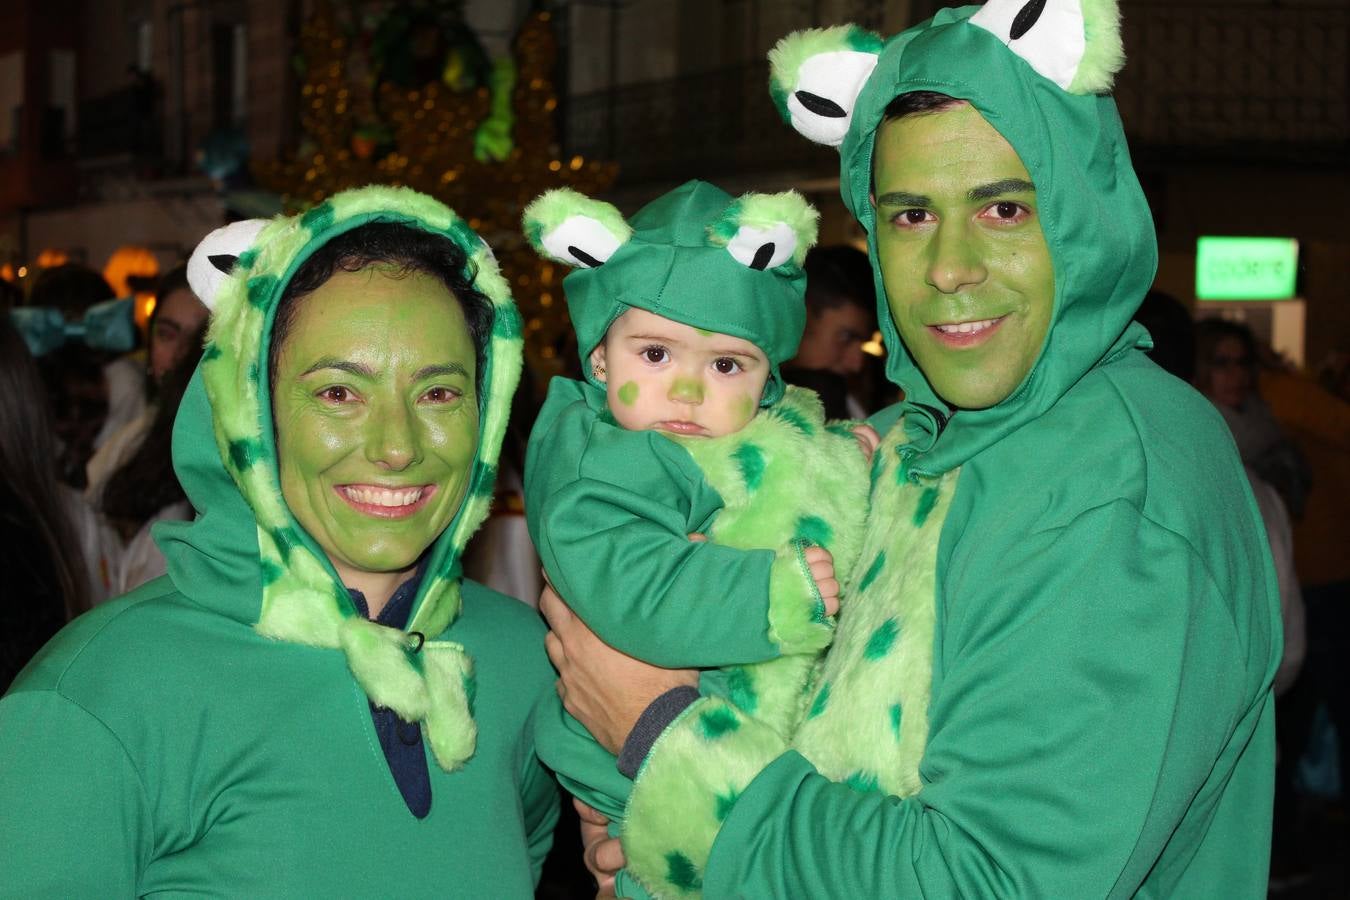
[684,425]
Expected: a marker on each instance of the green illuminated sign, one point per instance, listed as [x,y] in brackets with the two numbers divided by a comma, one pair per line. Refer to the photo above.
[1243,268]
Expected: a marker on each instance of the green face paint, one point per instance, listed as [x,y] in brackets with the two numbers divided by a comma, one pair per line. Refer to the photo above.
[967,272]
[376,417]
[745,408]
[628,393]
[687,390]
[703,333]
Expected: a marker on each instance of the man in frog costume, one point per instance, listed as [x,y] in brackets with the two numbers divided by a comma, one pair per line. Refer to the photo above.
[1053,674]
[251,724]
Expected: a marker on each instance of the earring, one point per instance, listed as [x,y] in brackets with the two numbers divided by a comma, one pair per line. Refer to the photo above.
[598,371]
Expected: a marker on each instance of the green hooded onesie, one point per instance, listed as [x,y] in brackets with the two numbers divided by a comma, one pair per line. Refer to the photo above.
[1053,674]
[211,732]
[610,510]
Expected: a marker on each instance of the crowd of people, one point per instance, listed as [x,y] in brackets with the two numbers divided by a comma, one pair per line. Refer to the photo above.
[1009,611]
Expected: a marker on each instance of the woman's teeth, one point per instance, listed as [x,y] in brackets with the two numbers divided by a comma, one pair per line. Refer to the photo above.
[965,327]
[381,496]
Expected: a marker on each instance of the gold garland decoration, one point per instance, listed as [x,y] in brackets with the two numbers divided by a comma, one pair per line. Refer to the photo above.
[432,151]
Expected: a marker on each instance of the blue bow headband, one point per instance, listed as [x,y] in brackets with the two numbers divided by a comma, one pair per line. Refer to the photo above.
[106,326]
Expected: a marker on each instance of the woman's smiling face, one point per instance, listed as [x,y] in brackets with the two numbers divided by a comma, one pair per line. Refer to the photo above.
[376,416]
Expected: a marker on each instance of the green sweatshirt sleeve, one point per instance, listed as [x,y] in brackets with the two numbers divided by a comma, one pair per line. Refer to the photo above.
[74,817]
[1087,688]
[539,800]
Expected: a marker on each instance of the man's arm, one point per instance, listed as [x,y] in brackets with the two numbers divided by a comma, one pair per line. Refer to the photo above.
[1079,717]
[74,817]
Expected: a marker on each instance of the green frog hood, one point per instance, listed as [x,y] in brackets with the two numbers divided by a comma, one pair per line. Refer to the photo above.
[246,556]
[1037,72]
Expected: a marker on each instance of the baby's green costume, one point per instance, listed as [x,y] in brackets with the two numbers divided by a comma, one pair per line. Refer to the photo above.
[610,509]
[211,733]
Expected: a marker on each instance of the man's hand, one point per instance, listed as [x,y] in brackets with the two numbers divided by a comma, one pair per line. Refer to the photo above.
[822,572]
[606,690]
[868,439]
[602,854]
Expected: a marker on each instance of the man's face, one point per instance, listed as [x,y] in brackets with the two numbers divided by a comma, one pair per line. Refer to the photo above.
[179,317]
[834,338]
[376,417]
[662,375]
[966,268]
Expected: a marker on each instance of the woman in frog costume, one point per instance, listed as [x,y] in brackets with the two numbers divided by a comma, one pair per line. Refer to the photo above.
[1052,677]
[684,425]
[312,702]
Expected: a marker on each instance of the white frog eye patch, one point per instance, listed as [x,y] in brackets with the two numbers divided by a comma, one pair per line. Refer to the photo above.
[580,241]
[763,248]
[828,85]
[214,258]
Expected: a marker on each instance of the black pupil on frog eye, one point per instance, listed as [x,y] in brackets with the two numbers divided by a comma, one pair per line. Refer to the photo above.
[1007,210]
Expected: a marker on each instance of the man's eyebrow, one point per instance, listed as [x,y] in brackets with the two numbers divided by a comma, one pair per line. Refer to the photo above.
[999,188]
[443,369]
[342,365]
[904,198]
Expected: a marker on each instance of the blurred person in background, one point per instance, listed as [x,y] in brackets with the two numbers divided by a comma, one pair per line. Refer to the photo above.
[840,318]
[47,581]
[176,330]
[94,392]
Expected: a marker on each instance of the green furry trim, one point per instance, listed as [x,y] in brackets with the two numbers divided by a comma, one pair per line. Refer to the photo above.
[763,211]
[1104,54]
[303,601]
[685,789]
[551,208]
[869,710]
[788,55]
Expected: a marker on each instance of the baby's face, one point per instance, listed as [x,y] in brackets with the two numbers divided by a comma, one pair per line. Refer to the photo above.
[664,376]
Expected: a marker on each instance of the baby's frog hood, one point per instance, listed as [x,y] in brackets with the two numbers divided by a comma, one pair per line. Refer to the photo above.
[695,255]
[1038,72]
[245,556]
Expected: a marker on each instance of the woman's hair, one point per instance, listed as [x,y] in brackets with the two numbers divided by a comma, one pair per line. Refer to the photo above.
[913,103]
[407,250]
[31,497]
[146,483]
[175,279]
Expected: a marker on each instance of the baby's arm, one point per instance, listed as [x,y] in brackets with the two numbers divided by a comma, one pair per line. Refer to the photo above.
[623,562]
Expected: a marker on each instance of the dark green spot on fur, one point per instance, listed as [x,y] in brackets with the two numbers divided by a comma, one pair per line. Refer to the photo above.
[927,500]
[822,700]
[484,477]
[741,689]
[212,352]
[878,463]
[506,323]
[815,530]
[245,452]
[260,290]
[895,720]
[718,722]
[245,260]
[286,540]
[470,685]
[840,429]
[862,782]
[796,420]
[681,872]
[253,373]
[902,470]
[271,572]
[881,641]
[725,802]
[872,572]
[318,219]
[751,461]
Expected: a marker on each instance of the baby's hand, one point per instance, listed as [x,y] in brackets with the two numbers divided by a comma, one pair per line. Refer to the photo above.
[868,439]
[821,564]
